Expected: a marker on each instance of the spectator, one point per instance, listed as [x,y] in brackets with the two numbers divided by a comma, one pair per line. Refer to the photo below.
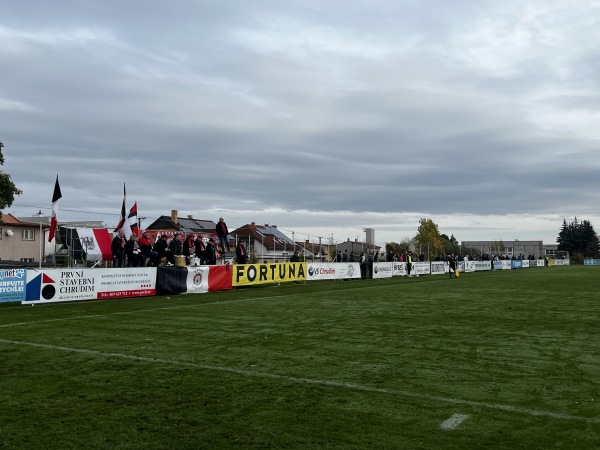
[200,249]
[176,246]
[222,233]
[240,252]
[345,256]
[189,248]
[132,249]
[363,265]
[211,252]
[148,256]
[161,247]
[118,249]
[295,257]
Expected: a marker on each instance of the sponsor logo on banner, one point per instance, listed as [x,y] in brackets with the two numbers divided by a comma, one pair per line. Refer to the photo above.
[399,269]
[420,268]
[333,271]
[247,274]
[382,270]
[197,279]
[439,267]
[12,285]
[58,285]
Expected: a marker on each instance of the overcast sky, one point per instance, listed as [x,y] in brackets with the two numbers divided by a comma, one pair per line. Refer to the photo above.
[323,117]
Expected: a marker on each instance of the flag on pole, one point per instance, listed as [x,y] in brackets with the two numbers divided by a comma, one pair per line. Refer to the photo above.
[123,223]
[54,220]
[132,220]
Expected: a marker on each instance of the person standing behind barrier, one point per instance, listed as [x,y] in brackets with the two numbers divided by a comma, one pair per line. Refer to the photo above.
[161,247]
[189,248]
[176,247]
[132,248]
[363,265]
[117,248]
[211,252]
[222,233]
[345,256]
[240,252]
[452,265]
[295,257]
[409,263]
[200,249]
[148,255]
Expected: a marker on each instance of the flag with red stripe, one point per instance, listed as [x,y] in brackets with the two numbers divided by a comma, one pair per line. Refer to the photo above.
[132,220]
[54,220]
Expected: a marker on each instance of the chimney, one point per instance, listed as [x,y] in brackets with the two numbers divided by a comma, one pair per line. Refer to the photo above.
[174,215]
[307,241]
[190,216]
[252,223]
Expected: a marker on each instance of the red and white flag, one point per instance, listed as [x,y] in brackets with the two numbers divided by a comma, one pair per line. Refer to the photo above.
[132,221]
[54,220]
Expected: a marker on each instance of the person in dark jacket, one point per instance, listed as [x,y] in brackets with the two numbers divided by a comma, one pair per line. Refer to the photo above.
[222,233]
[211,252]
[452,265]
[176,245]
[161,247]
[240,252]
[200,249]
[295,257]
[148,255]
[118,249]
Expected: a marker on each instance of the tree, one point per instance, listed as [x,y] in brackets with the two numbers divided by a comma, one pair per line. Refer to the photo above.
[579,239]
[8,190]
[429,237]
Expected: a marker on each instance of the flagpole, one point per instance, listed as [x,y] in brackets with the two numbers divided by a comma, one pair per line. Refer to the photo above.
[40,215]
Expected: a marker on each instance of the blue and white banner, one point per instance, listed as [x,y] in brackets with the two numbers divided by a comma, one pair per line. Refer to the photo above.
[12,285]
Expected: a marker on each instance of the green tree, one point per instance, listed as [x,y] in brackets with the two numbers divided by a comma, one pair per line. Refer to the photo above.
[8,190]
[429,238]
[393,248]
[579,239]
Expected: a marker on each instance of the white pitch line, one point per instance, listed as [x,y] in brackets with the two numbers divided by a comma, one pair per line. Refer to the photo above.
[315,382]
[453,422]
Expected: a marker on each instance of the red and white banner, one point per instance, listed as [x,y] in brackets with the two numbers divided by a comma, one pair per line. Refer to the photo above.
[95,242]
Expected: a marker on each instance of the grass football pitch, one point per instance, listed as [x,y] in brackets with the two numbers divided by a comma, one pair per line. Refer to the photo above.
[492,360]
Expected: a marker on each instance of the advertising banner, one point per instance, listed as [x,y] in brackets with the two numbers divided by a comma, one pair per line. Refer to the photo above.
[12,285]
[64,285]
[398,269]
[383,269]
[516,264]
[252,274]
[420,268]
[332,271]
[483,265]
[439,268]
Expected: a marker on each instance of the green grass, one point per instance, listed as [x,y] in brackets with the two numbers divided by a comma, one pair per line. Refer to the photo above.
[359,364]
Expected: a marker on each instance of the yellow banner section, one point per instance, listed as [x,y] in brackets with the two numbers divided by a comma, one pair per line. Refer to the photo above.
[247,274]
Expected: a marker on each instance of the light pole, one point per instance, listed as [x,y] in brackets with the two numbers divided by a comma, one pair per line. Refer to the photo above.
[40,215]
